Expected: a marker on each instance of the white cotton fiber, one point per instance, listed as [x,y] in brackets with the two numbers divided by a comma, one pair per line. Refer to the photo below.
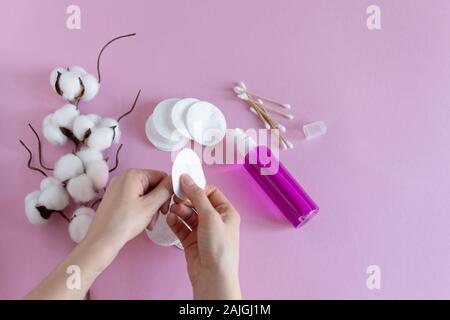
[47,120]
[32,197]
[81,125]
[65,116]
[81,221]
[50,182]
[94,118]
[70,85]
[187,162]
[100,138]
[91,87]
[76,69]
[98,172]
[54,76]
[112,123]
[68,166]
[161,233]
[54,198]
[206,123]
[89,154]
[109,122]
[54,135]
[31,212]
[81,188]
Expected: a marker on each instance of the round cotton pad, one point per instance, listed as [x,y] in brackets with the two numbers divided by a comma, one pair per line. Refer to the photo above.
[187,162]
[162,119]
[161,233]
[206,123]
[178,115]
[160,142]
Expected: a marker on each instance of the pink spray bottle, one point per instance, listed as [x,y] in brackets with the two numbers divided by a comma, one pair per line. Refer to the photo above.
[296,205]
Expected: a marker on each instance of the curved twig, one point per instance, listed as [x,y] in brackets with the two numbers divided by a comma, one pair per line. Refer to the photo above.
[132,107]
[96,202]
[117,159]
[104,47]
[63,215]
[39,147]
[31,158]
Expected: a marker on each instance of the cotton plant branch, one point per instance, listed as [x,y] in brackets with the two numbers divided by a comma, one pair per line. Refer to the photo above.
[117,159]
[39,148]
[30,158]
[104,47]
[132,107]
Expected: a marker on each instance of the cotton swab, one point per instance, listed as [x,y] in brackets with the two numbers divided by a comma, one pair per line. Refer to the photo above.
[252,109]
[243,88]
[245,96]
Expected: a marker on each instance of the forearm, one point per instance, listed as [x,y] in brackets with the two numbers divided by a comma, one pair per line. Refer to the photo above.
[92,257]
[218,287]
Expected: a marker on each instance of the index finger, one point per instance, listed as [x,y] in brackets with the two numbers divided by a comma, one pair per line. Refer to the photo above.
[139,182]
[215,196]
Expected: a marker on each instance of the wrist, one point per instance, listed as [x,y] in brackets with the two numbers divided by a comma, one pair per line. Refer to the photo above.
[103,250]
[217,286]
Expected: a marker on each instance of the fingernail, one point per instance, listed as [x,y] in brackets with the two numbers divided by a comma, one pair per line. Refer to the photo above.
[187,180]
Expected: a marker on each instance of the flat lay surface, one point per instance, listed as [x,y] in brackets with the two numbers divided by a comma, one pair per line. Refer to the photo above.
[380,174]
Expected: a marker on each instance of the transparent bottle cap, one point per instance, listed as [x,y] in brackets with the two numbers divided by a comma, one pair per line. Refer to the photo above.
[314,129]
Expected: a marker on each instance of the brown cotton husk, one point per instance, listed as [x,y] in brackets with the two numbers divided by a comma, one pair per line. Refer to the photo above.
[57,88]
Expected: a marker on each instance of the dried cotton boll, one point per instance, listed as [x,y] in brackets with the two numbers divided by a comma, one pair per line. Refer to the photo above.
[114,125]
[91,87]
[101,138]
[89,154]
[81,188]
[50,182]
[76,69]
[69,85]
[94,118]
[54,198]
[54,75]
[81,221]
[65,116]
[54,135]
[81,125]
[98,172]
[31,212]
[47,120]
[68,166]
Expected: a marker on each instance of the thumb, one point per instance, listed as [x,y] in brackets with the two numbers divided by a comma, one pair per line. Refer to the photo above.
[196,194]
[156,198]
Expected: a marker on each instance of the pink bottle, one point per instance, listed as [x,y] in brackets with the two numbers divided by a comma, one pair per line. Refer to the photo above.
[280,186]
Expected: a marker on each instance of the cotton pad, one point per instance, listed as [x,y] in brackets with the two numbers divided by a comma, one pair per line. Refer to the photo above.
[206,123]
[179,113]
[160,142]
[161,233]
[162,119]
[187,162]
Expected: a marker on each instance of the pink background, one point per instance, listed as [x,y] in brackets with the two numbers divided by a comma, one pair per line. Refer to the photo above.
[381,175]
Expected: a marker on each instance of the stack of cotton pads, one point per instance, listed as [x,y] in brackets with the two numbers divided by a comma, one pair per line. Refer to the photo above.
[174,122]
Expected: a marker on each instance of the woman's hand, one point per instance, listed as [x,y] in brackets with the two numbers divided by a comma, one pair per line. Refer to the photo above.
[130,202]
[212,247]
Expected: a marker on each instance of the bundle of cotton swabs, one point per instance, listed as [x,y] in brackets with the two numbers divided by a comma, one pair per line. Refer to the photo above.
[264,112]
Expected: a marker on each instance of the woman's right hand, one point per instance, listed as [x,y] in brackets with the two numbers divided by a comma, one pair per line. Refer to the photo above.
[212,247]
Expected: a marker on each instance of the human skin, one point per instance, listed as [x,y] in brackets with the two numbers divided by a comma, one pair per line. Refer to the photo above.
[212,247]
[130,204]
